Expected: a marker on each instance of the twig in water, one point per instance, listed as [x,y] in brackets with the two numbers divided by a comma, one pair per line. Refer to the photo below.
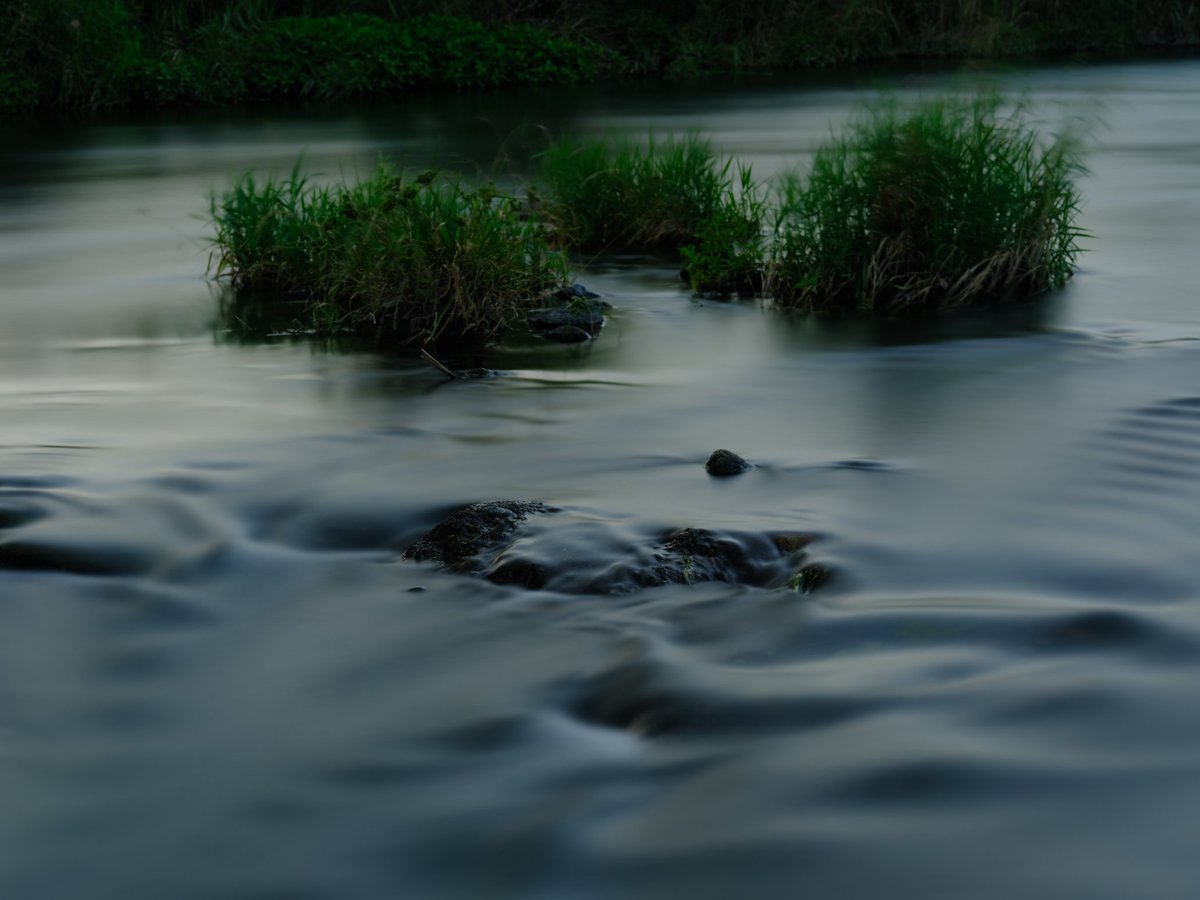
[428,357]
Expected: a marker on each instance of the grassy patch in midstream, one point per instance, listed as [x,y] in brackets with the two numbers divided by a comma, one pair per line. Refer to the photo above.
[950,203]
[946,204]
[403,260]
[659,194]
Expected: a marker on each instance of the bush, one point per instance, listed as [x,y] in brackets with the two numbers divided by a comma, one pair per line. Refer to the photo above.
[332,57]
[948,204]
[595,194]
[355,55]
[405,260]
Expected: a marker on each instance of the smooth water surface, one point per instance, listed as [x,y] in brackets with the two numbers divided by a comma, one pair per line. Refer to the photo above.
[219,679]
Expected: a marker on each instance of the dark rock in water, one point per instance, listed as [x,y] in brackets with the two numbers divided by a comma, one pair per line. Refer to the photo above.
[584,311]
[520,572]
[546,319]
[810,577]
[472,530]
[504,543]
[567,334]
[723,463]
[575,292]
[584,315]
[692,555]
[591,558]
[695,555]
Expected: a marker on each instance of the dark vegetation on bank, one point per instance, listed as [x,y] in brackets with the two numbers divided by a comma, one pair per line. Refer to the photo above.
[96,53]
[81,54]
[952,203]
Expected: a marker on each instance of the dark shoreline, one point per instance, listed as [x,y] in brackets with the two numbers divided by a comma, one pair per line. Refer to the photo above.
[74,56]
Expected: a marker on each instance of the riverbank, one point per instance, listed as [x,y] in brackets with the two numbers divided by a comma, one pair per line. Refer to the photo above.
[71,54]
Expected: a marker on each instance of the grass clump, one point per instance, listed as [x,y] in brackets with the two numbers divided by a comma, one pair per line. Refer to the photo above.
[729,254]
[404,260]
[659,195]
[948,204]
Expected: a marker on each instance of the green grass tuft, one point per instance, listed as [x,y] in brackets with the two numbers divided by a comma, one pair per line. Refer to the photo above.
[596,194]
[729,254]
[406,260]
[948,204]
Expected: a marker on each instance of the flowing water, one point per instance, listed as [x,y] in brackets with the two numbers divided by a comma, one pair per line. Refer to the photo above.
[219,679]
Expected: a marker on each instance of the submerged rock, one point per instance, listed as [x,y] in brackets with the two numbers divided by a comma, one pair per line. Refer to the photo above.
[586,560]
[576,292]
[692,555]
[582,310]
[584,316]
[471,530]
[810,577]
[723,463]
[583,555]
[567,334]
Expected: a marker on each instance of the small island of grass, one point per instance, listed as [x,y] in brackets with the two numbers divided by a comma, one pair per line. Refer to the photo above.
[948,204]
[951,203]
[399,259]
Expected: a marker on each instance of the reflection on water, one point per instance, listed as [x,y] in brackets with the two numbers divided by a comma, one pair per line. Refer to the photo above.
[218,677]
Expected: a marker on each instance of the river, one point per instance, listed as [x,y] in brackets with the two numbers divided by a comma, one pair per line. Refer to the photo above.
[219,679]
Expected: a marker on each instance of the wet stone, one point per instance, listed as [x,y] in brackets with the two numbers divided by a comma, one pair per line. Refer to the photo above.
[698,555]
[567,334]
[576,292]
[581,309]
[504,542]
[810,577]
[519,572]
[724,463]
[471,530]
[584,316]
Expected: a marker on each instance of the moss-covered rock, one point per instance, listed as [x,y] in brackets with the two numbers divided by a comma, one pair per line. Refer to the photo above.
[469,531]
[506,542]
